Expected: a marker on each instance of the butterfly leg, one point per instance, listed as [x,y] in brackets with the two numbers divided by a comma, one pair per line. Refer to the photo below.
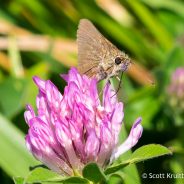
[119,85]
[118,78]
[107,80]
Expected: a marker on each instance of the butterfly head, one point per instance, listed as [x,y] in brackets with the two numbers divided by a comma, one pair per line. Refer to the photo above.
[121,62]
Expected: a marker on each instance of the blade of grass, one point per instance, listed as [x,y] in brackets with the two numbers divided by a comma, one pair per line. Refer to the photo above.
[17,69]
[175,6]
[158,31]
[14,157]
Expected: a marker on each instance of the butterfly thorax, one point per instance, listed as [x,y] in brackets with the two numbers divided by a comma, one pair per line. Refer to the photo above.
[112,65]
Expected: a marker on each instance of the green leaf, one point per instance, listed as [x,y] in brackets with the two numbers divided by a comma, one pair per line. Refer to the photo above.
[116,178]
[42,174]
[14,157]
[147,152]
[143,153]
[93,173]
[18,180]
[75,180]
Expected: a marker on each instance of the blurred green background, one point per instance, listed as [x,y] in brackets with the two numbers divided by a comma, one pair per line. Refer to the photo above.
[38,37]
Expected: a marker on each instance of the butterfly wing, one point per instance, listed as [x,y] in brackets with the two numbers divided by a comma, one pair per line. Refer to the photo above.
[93,47]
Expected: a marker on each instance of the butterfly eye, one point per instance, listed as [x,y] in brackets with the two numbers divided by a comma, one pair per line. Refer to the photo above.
[117,60]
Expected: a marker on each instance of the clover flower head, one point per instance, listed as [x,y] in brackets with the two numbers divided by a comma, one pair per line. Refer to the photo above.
[73,129]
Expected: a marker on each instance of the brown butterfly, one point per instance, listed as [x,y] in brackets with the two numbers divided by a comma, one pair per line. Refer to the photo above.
[97,56]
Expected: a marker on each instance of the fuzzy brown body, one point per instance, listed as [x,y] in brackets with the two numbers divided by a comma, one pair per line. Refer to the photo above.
[98,57]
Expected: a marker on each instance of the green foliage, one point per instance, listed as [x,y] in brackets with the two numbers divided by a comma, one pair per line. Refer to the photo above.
[18,180]
[149,31]
[92,172]
[141,154]
[14,158]
[42,175]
